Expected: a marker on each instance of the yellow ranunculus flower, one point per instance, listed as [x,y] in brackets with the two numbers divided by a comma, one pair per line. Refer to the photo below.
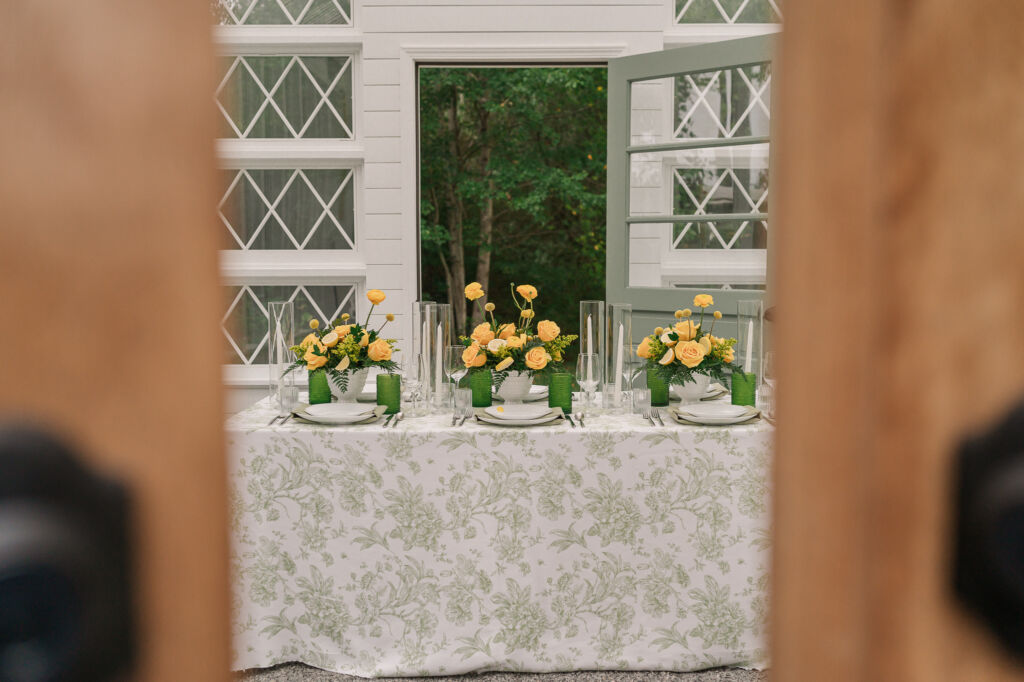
[547,330]
[644,349]
[472,357]
[517,341]
[342,330]
[376,296]
[537,358]
[482,334]
[526,291]
[506,330]
[690,353]
[703,300]
[474,291]
[687,330]
[379,350]
[364,340]
[503,365]
[330,339]
[310,339]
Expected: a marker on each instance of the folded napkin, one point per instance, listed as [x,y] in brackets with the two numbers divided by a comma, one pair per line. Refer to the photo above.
[674,413]
[377,413]
[555,413]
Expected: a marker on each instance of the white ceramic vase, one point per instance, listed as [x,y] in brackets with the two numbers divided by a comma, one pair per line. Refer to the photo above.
[692,392]
[515,387]
[356,383]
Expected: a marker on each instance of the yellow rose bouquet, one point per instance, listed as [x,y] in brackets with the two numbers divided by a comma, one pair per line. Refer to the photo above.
[344,348]
[505,347]
[677,352]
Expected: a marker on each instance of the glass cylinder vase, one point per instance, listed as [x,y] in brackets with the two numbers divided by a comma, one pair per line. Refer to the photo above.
[480,384]
[618,341]
[659,390]
[592,330]
[560,391]
[389,392]
[749,335]
[284,390]
[319,389]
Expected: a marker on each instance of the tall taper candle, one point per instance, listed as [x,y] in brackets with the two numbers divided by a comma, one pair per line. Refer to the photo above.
[590,349]
[618,366]
[747,366]
[439,358]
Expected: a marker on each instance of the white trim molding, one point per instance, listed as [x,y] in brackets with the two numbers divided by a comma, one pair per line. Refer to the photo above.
[681,35]
[317,41]
[714,266]
[292,267]
[513,54]
[285,153]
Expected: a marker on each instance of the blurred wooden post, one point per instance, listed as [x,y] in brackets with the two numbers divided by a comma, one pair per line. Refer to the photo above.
[108,278]
[900,272]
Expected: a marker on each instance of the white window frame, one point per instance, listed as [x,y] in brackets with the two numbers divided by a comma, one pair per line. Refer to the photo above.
[318,267]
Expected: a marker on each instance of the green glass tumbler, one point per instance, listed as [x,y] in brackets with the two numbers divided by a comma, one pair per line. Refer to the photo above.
[560,391]
[389,392]
[480,384]
[659,390]
[744,388]
[319,389]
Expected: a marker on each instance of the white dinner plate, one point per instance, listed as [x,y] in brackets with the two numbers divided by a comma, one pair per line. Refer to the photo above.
[748,413]
[718,409]
[337,413]
[519,412]
[536,393]
[546,419]
[713,391]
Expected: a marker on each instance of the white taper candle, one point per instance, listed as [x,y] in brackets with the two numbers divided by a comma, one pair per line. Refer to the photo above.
[618,365]
[590,349]
[438,358]
[747,367]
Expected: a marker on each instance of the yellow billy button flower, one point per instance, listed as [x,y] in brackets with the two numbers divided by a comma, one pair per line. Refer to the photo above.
[489,307]
[314,324]
[389,317]
[658,331]
[527,314]
[718,314]
[474,291]
[527,291]
[687,312]
[503,365]
[376,296]
[703,300]
[679,314]
[345,317]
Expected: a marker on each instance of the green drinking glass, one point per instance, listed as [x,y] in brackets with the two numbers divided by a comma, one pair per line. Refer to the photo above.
[744,388]
[560,391]
[319,389]
[659,390]
[389,392]
[480,384]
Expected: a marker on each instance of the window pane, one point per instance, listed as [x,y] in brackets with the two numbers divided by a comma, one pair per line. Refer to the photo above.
[728,12]
[286,97]
[725,253]
[246,321]
[288,209]
[721,234]
[288,12]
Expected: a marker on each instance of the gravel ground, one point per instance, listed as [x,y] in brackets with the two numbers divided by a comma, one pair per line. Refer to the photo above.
[296,672]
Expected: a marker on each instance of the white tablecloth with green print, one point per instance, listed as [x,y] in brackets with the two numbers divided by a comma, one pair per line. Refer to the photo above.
[429,550]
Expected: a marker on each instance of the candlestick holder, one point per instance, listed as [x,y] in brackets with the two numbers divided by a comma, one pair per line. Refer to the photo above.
[618,338]
[592,330]
[749,335]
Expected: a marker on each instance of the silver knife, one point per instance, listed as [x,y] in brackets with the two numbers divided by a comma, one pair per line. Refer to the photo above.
[455,418]
[569,418]
[390,417]
[398,418]
[271,422]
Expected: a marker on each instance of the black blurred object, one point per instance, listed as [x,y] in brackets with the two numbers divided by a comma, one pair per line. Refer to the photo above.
[989,546]
[65,598]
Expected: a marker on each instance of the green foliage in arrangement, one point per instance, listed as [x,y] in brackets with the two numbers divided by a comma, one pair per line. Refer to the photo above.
[513,184]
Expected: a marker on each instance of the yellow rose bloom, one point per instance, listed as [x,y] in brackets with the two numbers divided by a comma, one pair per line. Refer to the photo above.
[505,331]
[376,296]
[703,300]
[690,353]
[547,330]
[687,330]
[309,340]
[537,358]
[482,334]
[314,361]
[644,349]
[503,365]
[379,350]
[343,330]
[364,340]
[517,341]
[474,291]
[526,291]
[330,339]
[472,357]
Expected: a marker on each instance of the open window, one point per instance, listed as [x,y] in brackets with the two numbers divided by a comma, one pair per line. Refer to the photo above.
[688,170]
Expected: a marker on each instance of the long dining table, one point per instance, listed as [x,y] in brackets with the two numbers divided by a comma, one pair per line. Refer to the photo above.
[431,549]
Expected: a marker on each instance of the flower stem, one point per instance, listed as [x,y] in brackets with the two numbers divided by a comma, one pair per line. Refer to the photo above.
[366,325]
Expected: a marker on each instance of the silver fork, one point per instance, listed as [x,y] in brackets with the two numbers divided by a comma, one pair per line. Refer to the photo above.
[466,415]
[646,413]
[657,414]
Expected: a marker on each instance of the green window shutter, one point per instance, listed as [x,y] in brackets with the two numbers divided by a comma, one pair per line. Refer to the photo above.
[708,147]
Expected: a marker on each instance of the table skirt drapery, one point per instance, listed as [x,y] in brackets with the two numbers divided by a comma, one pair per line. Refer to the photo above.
[428,550]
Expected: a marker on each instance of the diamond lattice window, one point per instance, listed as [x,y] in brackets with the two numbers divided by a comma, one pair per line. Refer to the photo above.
[246,321]
[286,97]
[728,12]
[286,12]
[295,209]
[723,104]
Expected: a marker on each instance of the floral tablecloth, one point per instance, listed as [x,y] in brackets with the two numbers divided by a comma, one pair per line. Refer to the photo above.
[428,550]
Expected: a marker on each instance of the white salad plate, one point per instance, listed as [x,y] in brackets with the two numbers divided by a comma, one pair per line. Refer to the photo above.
[536,393]
[517,412]
[337,413]
[721,417]
[548,418]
